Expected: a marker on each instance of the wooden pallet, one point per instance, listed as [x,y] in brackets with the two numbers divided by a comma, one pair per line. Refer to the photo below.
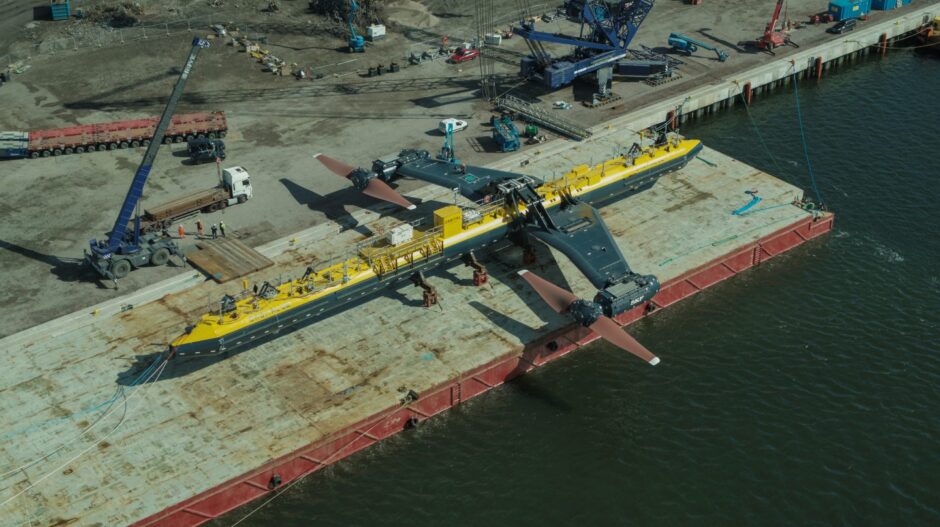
[226,259]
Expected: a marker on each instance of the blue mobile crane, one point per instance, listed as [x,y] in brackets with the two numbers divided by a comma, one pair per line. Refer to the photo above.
[126,248]
[607,28]
[447,151]
[357,44]
[680,42]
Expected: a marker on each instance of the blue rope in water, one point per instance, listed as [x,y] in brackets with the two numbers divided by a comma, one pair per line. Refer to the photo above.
[799,117]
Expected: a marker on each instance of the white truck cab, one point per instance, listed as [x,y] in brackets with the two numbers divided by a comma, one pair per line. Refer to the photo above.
[238,183]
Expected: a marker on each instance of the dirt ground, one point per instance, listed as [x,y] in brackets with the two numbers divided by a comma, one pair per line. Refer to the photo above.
[51,207]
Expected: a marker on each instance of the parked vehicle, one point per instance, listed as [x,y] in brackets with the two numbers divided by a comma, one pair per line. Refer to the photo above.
[205,150]
[234,188]
[464,54]
[455,124]
[843,26]
[561,105]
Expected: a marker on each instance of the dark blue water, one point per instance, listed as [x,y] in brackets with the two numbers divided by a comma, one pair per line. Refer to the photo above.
[803,392]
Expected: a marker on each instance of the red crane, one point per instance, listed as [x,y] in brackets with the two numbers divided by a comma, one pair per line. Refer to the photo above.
[773,38]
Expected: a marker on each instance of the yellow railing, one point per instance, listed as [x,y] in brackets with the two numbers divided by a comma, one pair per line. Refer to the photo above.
[388,258]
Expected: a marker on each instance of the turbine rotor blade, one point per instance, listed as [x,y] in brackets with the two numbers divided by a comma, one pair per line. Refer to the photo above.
[379,189]
[611,331]
[556,297]
[335,166]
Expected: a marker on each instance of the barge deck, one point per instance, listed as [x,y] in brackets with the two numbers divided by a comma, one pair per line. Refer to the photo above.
[207,437]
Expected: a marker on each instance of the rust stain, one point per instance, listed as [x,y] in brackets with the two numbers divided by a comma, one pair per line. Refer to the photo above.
[692,200]
[175,309]
[60,522]
[104,445]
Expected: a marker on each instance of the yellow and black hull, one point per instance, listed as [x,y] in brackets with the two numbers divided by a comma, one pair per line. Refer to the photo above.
[224,333]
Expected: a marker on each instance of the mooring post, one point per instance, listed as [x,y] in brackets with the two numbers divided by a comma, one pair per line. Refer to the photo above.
[747,93]
[884,44]
[819,67]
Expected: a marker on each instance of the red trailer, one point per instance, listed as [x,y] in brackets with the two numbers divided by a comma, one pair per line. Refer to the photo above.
[122,134]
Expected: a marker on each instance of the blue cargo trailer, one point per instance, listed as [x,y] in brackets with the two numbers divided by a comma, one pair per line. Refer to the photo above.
[846,9]
[61,9]
[505,133]
[885,5]
[13,144]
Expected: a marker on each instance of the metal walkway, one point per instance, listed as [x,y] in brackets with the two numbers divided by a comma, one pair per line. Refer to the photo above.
[546,119]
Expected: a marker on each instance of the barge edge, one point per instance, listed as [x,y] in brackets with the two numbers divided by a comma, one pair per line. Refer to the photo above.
[275,475]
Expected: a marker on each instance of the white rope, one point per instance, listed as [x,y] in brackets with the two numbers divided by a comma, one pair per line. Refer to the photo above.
[119,393]
[157,373]
[300,478]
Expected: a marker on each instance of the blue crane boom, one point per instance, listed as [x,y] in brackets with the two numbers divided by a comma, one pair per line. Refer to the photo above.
[105,253]
[606,33]
[357,44]
[689,45]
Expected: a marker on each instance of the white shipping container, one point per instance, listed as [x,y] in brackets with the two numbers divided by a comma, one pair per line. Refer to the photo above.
[22,137]
[400,234]
[375,32]
[492,39]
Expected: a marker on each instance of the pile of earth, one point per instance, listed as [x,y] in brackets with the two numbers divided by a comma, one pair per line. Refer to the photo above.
[409,13]
[369,10]
[123,14]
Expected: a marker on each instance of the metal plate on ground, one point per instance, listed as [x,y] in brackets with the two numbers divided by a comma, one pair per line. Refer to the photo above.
[226,259]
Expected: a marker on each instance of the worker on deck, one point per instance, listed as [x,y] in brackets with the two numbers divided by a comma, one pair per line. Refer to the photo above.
[200,229]
[215,231]
[181,231]
[222,228]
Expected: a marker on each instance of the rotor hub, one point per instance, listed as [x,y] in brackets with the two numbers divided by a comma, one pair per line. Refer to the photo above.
[360,178]
[585,312]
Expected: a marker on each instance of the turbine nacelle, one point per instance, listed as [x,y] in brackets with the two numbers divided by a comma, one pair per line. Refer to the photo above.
[589,314]
[364,181]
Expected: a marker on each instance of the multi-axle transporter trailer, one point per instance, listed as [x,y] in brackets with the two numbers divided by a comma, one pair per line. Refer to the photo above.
[110,136]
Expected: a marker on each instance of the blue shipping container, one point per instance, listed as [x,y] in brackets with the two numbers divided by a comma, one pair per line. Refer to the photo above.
[884,5]
[61,9]
[846,9]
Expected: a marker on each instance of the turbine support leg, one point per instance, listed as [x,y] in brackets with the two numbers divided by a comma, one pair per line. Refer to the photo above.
[429,296]
[480,276]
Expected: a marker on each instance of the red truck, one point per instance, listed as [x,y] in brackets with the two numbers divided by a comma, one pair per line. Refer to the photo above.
[110,136]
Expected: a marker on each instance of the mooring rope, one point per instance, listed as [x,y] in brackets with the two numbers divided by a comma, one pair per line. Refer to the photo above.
[809,163]
[759,135]
[155,375]
[88,410]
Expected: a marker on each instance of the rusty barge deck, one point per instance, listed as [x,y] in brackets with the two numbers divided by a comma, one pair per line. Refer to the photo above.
[200,442]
